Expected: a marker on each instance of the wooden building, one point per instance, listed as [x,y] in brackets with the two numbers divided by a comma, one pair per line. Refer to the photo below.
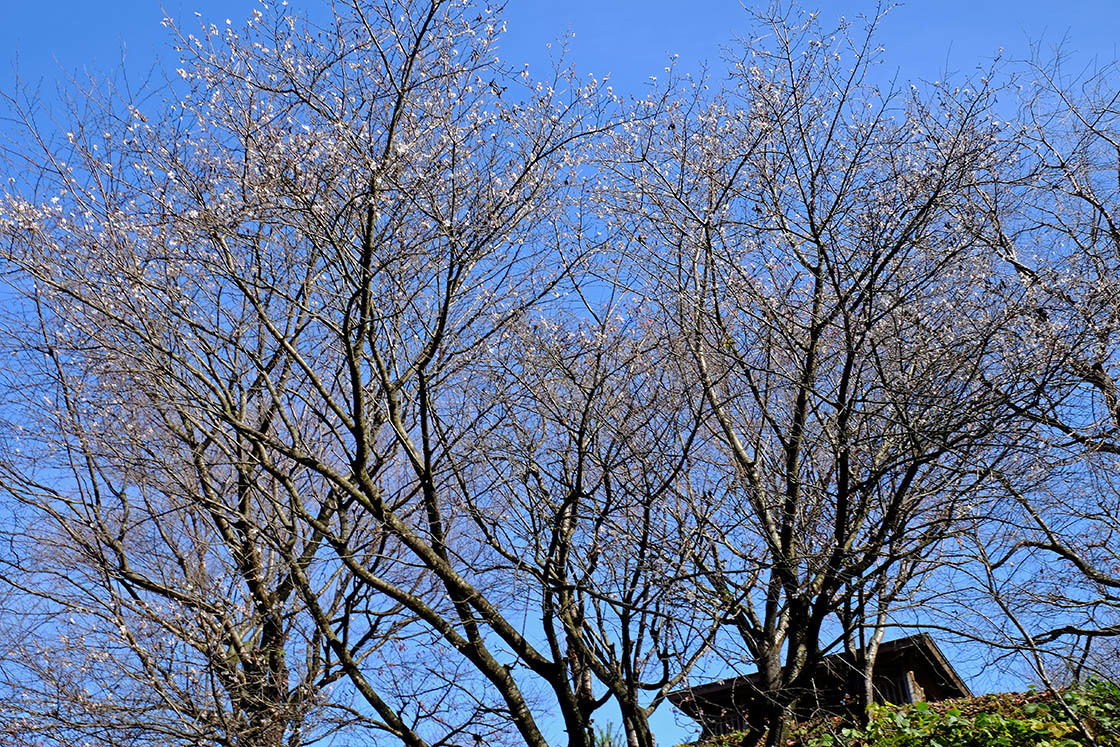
[907,670]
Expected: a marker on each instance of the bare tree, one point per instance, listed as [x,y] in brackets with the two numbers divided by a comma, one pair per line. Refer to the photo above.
[148,610]
[1052,211]
[596,513]
[811,245]
[317,383]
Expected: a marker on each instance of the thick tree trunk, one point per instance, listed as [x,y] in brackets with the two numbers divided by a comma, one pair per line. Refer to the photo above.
[636,727]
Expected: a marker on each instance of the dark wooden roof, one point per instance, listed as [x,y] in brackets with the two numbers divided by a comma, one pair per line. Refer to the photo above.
[910,668]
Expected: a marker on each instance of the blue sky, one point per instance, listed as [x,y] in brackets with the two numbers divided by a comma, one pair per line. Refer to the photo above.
[630,39]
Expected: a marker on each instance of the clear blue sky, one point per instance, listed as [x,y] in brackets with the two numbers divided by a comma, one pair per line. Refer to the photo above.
[631,39]
[628,38]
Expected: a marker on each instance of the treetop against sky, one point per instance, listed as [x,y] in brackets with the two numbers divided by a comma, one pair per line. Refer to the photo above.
[628,39]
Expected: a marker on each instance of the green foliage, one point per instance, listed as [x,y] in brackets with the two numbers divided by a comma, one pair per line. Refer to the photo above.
[607,736]
[1098,702]
[1009,720]
[731,739]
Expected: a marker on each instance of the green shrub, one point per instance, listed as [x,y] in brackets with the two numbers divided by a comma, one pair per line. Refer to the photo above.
[1009,720]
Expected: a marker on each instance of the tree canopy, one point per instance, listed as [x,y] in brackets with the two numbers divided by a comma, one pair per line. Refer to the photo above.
[359,385]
